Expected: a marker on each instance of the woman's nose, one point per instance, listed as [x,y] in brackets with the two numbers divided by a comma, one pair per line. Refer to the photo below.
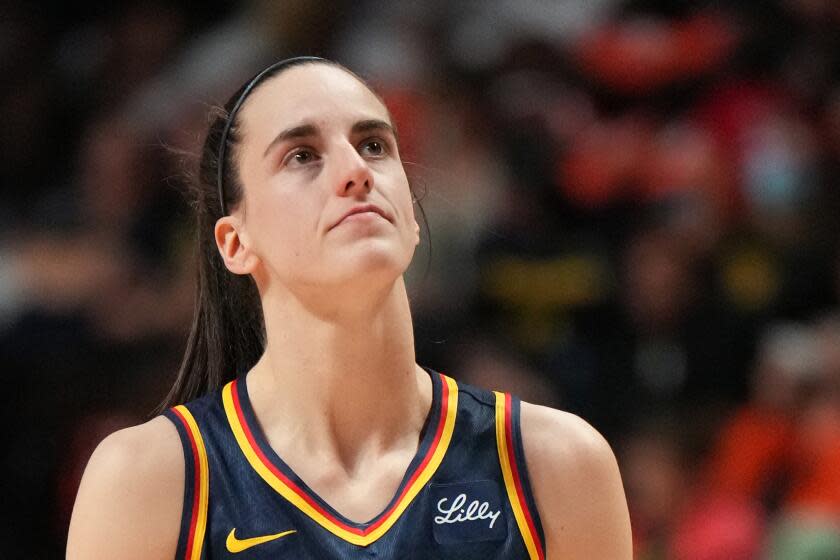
[353,172]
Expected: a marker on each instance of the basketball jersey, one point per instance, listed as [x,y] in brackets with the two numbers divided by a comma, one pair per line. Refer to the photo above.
[465,494]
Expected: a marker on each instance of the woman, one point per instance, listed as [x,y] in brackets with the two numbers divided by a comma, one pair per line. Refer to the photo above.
[312,218]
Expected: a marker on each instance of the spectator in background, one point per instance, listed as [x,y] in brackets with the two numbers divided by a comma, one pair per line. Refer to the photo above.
[674,516]
[781,451]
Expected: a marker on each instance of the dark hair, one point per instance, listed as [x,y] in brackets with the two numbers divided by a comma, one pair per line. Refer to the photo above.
[227,336]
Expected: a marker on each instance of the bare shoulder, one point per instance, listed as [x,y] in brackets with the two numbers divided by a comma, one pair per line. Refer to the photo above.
[562,436]
[577,486]
[130,499]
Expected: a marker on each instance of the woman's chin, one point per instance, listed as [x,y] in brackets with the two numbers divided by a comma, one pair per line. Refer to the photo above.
[371,259]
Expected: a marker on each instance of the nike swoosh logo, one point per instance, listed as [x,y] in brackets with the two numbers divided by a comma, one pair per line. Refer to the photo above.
[235,545]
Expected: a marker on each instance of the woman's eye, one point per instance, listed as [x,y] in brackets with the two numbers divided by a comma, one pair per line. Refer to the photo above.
[373,148]
[301,157]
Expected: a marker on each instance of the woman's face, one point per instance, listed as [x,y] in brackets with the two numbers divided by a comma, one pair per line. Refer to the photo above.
[316,145]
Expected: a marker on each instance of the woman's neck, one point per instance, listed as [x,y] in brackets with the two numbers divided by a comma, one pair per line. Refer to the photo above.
[345,382]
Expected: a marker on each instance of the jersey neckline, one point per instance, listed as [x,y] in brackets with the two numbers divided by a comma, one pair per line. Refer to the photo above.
[434,441]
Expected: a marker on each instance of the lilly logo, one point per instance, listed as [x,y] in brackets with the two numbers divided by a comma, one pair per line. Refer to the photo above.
[457,513]
[467,512]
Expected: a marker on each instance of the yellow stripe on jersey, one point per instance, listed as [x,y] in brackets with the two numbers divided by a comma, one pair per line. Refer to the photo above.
[195,541]
[504,443]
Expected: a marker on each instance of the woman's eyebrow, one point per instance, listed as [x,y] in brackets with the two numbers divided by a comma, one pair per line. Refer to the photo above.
[308,130]
[370,125]
[302,131]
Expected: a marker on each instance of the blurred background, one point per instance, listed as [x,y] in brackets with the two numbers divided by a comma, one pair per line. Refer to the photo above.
[632,205]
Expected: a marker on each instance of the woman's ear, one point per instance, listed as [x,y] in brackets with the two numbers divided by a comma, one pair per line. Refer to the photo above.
[234,246]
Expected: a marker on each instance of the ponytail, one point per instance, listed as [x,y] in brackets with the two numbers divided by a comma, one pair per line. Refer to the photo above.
[227,335]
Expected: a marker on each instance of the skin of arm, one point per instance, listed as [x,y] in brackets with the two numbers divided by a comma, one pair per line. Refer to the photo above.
[131,496]
[577,487]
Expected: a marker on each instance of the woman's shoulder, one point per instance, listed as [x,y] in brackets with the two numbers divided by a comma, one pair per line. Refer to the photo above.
[576,484]
[130,499]
[149,449]
[562,436]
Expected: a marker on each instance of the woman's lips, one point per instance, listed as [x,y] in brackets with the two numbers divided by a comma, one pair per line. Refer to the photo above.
[364,212]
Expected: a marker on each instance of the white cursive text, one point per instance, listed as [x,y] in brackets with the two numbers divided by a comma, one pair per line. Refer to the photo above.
[456,513]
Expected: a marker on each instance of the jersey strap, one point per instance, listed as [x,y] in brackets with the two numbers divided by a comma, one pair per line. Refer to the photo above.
[512,460]
[196,484]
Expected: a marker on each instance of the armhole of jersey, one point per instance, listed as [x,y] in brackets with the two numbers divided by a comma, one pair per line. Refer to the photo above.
[515,474]
[196,485]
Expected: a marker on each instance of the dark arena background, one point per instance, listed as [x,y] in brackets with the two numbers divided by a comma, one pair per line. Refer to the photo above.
[633,208]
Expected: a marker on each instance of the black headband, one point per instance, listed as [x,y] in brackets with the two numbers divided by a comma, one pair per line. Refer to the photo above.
[249,87]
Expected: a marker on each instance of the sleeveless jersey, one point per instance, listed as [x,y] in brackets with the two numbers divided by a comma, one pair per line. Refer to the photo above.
[465,494]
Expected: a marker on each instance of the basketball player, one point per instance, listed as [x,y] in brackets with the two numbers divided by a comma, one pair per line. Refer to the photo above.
[334,443]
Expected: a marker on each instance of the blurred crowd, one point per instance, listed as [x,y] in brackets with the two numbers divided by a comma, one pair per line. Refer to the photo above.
[631,208]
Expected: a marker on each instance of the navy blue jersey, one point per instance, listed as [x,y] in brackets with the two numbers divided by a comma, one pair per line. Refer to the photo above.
[465,494]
